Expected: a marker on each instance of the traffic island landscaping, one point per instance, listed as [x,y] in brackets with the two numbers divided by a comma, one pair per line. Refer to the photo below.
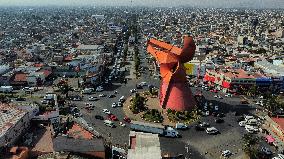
[144,106]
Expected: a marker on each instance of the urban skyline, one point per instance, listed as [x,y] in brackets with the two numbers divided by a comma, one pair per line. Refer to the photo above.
[157,3]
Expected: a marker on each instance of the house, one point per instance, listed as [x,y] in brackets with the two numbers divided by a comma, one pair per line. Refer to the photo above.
[19,79]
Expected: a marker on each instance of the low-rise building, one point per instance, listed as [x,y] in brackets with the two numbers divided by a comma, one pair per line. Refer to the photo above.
[144,145]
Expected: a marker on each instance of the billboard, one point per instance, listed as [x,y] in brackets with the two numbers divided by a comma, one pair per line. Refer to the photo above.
[194,69]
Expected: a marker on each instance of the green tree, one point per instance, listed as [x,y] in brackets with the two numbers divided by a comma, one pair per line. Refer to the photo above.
[250,145]
[125,51]
[64,88]
[137,104]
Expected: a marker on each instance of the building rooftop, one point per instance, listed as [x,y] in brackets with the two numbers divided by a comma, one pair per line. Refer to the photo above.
[78,132]
[9,116]
[89,47]
[279,121]
[144,145]
[62,143]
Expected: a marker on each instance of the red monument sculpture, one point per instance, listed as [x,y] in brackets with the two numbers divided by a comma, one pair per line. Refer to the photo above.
[174,92]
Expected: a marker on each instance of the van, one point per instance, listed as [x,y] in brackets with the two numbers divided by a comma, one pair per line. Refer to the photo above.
[109,123]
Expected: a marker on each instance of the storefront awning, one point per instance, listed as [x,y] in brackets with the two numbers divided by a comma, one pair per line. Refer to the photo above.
[270,139]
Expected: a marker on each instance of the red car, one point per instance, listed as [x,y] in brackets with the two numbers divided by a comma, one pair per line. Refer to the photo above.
[126,119]
[112,117]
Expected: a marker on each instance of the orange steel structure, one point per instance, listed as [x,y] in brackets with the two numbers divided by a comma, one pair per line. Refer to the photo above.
[174,92]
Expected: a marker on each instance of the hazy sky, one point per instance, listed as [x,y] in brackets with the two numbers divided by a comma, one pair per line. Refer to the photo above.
[202,3]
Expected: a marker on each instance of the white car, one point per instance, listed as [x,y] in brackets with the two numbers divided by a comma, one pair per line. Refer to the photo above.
[89,104]
[133,91]
[122,124]
[106,111]
[251,129]
[216,108]
[93,98]
[113,105]
[102,95]
[220,97]
[143,84]
[226,153]
[119,104]
[207,113]
[212,130]
[242,123]
[228,95]
[280,156]
[215,96]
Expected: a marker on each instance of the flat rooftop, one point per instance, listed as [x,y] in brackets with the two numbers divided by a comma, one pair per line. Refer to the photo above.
[9,116]
[144,145]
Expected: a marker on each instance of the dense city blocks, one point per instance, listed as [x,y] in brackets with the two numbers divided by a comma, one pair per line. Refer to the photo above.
[126,80]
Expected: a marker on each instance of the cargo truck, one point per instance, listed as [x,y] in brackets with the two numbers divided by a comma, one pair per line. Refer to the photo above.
[154,128]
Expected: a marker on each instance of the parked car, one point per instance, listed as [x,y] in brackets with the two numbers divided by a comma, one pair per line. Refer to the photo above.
[220,115]
[241,119]
[112,117]
[106,111]
[219,120]
[226,153]
[204,124]
[93,98]
[102,95]
[139,86]
[109,123]
[77,98]
[242,123]
[111,96]
[280,156]
[266,151]
[20,99]
[199,128]
[212,131]
[113,105]
[119,104]
[207,113]
[122,124]
[181,126]
[228,95]
[126,119]
[133,91]
[99,117]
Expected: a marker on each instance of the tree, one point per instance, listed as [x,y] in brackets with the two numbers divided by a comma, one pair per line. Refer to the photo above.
[137,103]
[250,145]
[125,51]
[39,82]
[252,90]
[64,88]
